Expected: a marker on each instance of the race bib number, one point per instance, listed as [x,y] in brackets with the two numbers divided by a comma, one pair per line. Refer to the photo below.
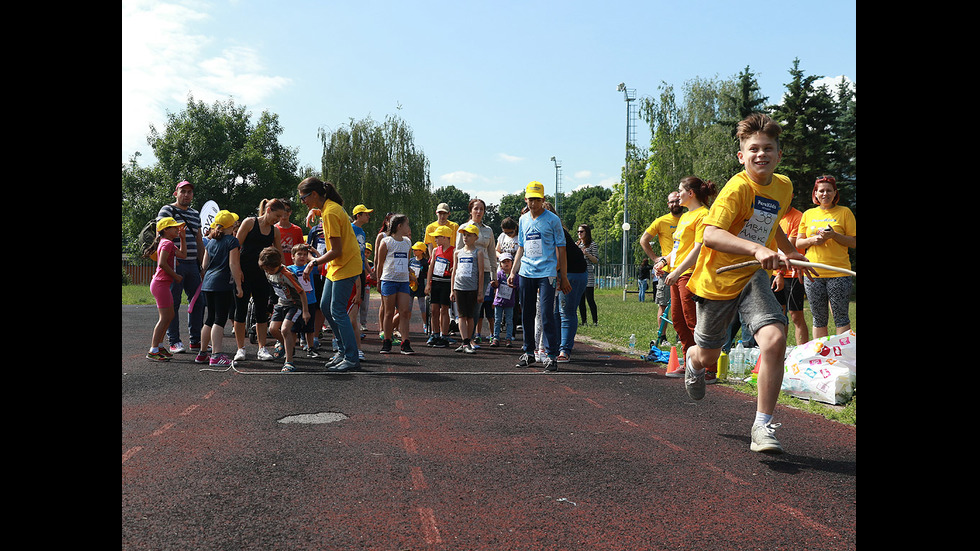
[465,267]
[441,268]
[765,215]
[533,246]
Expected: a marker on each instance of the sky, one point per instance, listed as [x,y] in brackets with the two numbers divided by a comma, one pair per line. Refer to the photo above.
[491,90]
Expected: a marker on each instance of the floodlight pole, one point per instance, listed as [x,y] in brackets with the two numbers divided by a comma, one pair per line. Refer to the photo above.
[629,94]
[557,184]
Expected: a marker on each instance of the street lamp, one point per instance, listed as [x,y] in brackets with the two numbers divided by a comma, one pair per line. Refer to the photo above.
[557,184]
[629,94]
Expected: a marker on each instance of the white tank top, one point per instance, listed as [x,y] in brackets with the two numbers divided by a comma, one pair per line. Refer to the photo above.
[396,261]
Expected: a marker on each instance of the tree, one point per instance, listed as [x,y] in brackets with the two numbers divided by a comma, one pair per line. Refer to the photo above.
[216,148]
[225,156]
[378,165]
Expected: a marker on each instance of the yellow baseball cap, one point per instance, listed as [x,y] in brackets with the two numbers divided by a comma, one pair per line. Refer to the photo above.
[225,218]
[534,189]
[361,208]
[443,231]
[469,228]
[419,246]
[166,222]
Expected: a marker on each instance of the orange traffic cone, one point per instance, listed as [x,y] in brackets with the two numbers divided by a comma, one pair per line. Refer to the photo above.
[673,365]
[758,362]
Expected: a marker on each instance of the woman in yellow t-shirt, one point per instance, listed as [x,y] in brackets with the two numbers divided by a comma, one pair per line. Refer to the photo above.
[694,194]
[344,266]
[826,232]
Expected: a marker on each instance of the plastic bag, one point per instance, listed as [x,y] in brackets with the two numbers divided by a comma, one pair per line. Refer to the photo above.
[823,369]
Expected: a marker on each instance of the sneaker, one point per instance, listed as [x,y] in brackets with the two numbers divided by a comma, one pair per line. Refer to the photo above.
[676,373]
[710,377]
[526,360]
[201,358]
[507,343]
[462,348]
[344,366]
[165,353]
[195,347]
[336,359]
[263,354]
[495,343]
[177,348]
[692,382]
[156,357]
[406,347]
[440,342]
[221,360]
[360,354]
[287,368]
[431,340]
[311,353]
[471,349]
[562,357]
[550,364]
[763,439]
[240,355]
[386,347]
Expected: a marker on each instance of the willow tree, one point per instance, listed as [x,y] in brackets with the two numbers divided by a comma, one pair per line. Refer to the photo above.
[378,165]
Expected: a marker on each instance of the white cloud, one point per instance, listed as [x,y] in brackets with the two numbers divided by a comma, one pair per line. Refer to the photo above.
[509,158]
[460,177]
[164,60]
[583,174]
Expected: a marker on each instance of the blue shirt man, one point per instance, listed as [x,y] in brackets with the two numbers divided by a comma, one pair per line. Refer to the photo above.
[540,263]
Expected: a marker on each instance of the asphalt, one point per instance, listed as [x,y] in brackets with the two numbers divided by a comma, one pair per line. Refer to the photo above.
[441,450]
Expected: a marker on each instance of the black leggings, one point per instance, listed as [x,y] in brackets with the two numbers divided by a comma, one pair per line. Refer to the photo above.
[256,286]
[218,304]
[588,295]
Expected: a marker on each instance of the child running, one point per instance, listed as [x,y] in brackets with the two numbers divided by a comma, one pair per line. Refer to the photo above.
[395,278]
[222,283]
[742,225]
[168,230]
[439,286]
[291,307]
[467,284]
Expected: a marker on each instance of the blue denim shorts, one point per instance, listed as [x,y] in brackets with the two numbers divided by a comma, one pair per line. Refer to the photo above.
[389,288]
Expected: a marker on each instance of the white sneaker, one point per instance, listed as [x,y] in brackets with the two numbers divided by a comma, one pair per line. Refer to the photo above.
[177,347]
[240,355]
[264,354]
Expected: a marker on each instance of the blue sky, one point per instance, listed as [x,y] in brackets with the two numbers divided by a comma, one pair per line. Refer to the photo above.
[491,90]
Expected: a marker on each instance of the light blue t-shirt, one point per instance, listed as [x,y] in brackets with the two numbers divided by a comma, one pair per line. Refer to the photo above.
[361,237]
[539,237]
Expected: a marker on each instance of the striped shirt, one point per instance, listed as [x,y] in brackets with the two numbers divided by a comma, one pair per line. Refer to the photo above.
[187,216]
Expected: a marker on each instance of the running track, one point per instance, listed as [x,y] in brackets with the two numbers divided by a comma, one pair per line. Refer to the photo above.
[449,451]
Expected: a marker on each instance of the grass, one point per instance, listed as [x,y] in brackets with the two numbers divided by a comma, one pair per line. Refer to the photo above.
[618,320]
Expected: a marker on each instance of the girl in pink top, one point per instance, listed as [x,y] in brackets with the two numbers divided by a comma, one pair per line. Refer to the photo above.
[168,230]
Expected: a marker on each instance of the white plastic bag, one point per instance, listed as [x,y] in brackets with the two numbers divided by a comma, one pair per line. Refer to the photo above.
[823,369]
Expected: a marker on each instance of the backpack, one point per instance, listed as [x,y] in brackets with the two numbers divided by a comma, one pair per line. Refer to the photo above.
[145,239]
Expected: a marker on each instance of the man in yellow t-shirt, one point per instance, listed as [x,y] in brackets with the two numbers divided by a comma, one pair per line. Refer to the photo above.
[743,224]
[442,219]
[662,229]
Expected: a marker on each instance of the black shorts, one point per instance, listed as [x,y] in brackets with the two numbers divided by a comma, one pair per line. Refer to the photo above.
[792,296]
[466,303]
[439,293]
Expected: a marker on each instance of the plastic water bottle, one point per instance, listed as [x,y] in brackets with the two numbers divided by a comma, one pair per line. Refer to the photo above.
[680,355]
[632,344]
[737,363]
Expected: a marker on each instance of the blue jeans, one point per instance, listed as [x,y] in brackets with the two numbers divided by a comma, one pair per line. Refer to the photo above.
[503,315]
[333,303]
[195,320]
[643,283]
[567,304]
[531,301]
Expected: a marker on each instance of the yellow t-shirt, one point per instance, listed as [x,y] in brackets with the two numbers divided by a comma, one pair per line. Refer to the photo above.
[336,224]
[689,230]
[749,211]
[831,253]
[663,229]
[429,240]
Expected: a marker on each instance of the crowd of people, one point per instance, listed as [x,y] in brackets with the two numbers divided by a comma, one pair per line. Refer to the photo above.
[533,275]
